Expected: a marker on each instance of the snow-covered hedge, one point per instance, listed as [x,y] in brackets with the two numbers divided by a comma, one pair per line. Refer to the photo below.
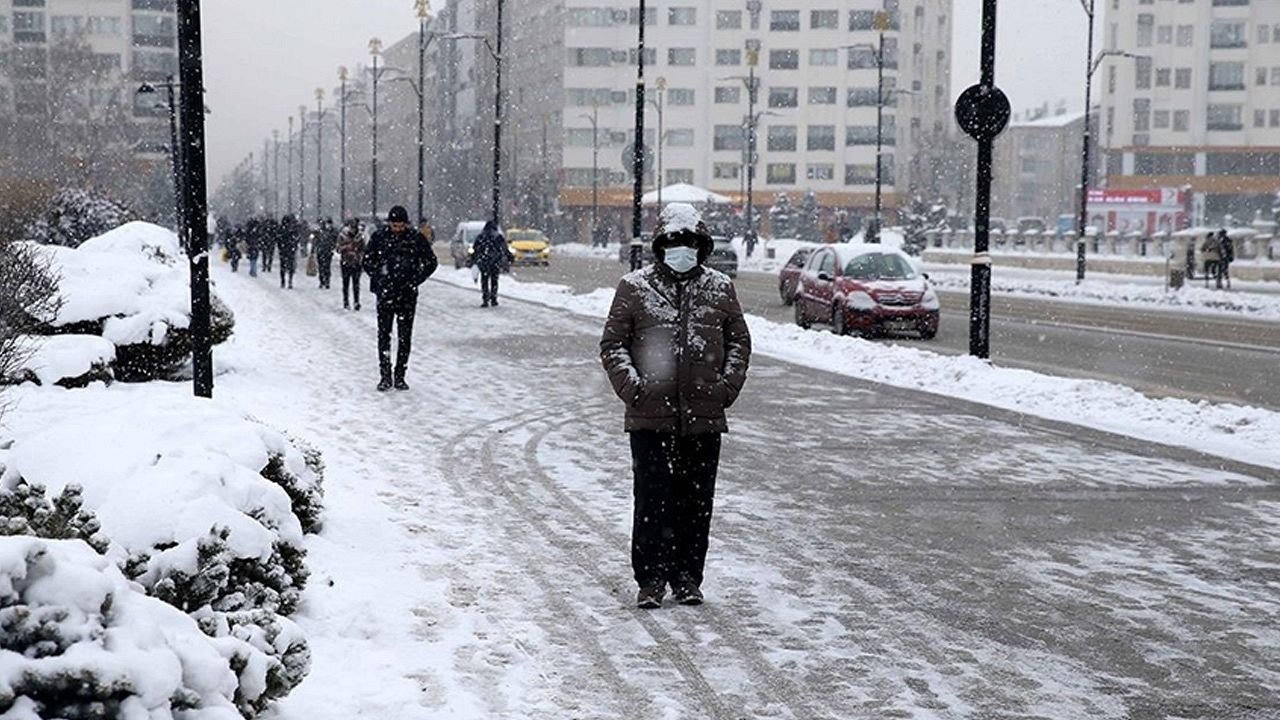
[131,286]
[75,215]
[79,641]
[72,361]
[26,510]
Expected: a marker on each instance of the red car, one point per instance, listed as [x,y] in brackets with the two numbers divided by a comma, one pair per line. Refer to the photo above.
[867,289]
[789,275]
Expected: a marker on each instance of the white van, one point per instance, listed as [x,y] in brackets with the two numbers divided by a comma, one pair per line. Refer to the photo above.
[463,237]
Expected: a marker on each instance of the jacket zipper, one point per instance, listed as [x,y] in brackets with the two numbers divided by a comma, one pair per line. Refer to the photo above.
[681,349]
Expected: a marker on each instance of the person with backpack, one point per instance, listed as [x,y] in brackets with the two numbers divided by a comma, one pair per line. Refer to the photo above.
[490,255]
[350,255]
[398,260]
[676,349]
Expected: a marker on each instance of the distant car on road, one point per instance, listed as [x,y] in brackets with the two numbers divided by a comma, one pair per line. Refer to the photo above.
[1031,224]
[867,289]
[789,275]
[460,246]
[529,247]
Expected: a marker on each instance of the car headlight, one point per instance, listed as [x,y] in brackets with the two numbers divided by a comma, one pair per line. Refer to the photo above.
[860,301]
[930,300]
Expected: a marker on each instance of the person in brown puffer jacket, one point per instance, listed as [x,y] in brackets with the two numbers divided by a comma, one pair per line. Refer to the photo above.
[676,349]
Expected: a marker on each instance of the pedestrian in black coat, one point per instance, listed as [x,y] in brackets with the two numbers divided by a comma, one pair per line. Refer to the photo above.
[287,242]
[490,254]
[1226,256]
[267,233]
[325,243]
[397,260]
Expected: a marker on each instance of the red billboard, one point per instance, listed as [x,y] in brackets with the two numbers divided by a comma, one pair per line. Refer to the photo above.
[1146,212]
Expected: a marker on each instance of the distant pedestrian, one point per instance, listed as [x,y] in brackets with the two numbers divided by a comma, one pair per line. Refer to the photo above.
[1212,254]
[1226,256]
[287,243]
[236,248]
[398,259]
[676,349]
[267,233]
[325,244]
[350,255]
[490,255]
[252,250]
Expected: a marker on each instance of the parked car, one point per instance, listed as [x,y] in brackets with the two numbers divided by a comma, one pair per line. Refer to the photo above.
[1031,224]
[529,246]
[789,275]
[460,246]
[867,289]
[723,257]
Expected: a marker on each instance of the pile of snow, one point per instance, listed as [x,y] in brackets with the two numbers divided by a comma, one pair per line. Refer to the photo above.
[68,360]
[131,286]
[81,641]
[1229,431]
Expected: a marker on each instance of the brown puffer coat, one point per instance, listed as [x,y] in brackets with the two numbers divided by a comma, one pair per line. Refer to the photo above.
[676,351]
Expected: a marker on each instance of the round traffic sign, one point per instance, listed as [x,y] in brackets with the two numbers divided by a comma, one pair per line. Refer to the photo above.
[629,158]
[983,112]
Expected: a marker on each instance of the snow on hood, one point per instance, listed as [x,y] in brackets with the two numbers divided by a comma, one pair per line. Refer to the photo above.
[680,217]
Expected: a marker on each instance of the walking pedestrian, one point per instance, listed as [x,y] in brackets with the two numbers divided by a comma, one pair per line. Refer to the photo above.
[236,248]
[490,255]
[350,255]
[1226,256]
[326,242]
[676,349]
[267,233]
[287,243]
[1212,254]
[253,247]
[398,260]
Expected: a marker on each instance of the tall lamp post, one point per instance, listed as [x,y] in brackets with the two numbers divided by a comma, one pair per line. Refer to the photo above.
[637,160]
[342,139]
[195,189]
[375,49]
[497,110]
[302,160]
[594,117]
[320,113]
[288,180]
[752,120]
[175,150]
[275,171]
[424,16]
[657,102]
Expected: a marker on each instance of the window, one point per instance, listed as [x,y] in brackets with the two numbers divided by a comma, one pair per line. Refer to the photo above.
[1160,120]
[822,96]
[682,56]
[1275,118]
[727,137]
[1275,75]
[579,137]
[680,96]
[780,173]
[1141,115]
[860,135]
[1164,35]
[728,57]
[1149,163]
[726,171]
[728,95]
[650,16]
[1164,77]
[728,19]
[1226,76]
[1186,35]
[820,171]
[1260,76]
[1227,34]
[1223,117]
[1242,163]
[104,26]
[590,57]
[680,137]
[29,21]
[1259,118]
[784,97]
[860,174]
[650,56]
[1264,34]
[1142,73]
[784,21]
[682,16]
[821,137]
[1181,120]
[1146,27]
[583,97]
[824,19]
[824,57]
[866,19]
[1182,78]
[784,59]
[593,17]
[861,58]
[782,138]
[675,176]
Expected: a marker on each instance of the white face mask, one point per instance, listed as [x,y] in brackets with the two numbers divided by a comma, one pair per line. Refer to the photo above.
[681,259]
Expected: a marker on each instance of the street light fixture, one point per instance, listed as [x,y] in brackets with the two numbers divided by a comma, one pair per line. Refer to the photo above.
[342,139]
[375,49]
[882,25]
[320,113]
[594,117]
[302,161]
[496,53]
[175,161]
[657,103]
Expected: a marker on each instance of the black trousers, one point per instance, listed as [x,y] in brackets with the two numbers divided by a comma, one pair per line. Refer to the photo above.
[489,285]
[675,487]
[286,269]
[350,279]
[324,267]
[399,311]
[268,254]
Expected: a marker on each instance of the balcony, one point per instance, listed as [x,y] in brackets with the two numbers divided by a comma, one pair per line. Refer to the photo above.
[1224,126]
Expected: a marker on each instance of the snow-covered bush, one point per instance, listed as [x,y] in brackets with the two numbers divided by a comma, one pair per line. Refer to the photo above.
[71,361]
[78,641]
[268,653]
[26,510]
[305,489]
[75,215]
[782,217]
[131,286]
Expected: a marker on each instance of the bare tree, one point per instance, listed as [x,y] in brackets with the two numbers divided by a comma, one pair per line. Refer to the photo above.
[28,299]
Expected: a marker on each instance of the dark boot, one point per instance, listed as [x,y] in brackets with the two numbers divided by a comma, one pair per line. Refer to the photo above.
[686,592]
[384,384]
[400,384]
[650,596]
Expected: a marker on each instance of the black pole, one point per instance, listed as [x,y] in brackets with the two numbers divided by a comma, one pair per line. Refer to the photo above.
[342,152]
[874,235]
[637,160]
[275,170]
[750,239]
[497,126]
[595,172]
[302,162]
[980,280]
[195,202]
[319,157]
[288,155]
[266,178]
[422,111]
[175,162]
[373,210]
[1084,169]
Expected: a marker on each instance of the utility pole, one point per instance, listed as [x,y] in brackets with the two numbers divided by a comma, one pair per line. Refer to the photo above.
[375,49]
[266,178]
[1083,223]
[882,24]
[594,117]
[302,161]
[497,125]
[657,103]
[275,171]
[288,180]
[319,152]
[637,162]
[195,201]
[753,56]
[342,173]
[424,16]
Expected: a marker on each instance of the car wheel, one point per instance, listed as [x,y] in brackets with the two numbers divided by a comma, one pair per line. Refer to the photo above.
[927,332]
[801,320]
[837,322]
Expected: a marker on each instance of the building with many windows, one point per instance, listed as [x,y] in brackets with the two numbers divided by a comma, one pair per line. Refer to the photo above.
[1200,107]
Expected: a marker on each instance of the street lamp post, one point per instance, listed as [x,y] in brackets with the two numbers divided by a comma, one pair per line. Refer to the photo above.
[342,140]
[882,24]
[275,171]
[594,117]
[375,49]
[657,103]
[637,160]
[175,150]
[302,161]
[195,226]
[424,16]
[1083,222]
[753,119]
[497,126]
[288,180]
[319,152]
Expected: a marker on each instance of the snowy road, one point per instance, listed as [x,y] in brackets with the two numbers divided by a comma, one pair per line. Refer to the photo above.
[876,552]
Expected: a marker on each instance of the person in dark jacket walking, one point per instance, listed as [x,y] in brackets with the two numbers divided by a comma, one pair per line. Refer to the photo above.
[267,232]
[398,260]
[490,254]
[287,243]
[676,349]
[325,243]
[252,241]
[350,255]
[1226,256]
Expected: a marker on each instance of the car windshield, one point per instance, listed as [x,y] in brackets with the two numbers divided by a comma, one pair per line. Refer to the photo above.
[880,266]
[525,236]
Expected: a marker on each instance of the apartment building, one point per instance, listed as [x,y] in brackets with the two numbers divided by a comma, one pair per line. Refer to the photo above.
[1200,108]
[574,61]
[1036,165]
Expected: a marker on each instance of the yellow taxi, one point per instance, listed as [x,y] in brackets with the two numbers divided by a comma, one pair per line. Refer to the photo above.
[529,246]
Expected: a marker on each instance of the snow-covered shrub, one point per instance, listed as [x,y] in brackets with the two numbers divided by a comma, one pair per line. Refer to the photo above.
[75,215]
[132,286]
[79,641]
[26,510]
[70,361]
[268,653]
[305,489]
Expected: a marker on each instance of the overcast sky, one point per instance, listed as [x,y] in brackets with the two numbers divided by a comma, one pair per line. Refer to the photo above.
[263,58]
